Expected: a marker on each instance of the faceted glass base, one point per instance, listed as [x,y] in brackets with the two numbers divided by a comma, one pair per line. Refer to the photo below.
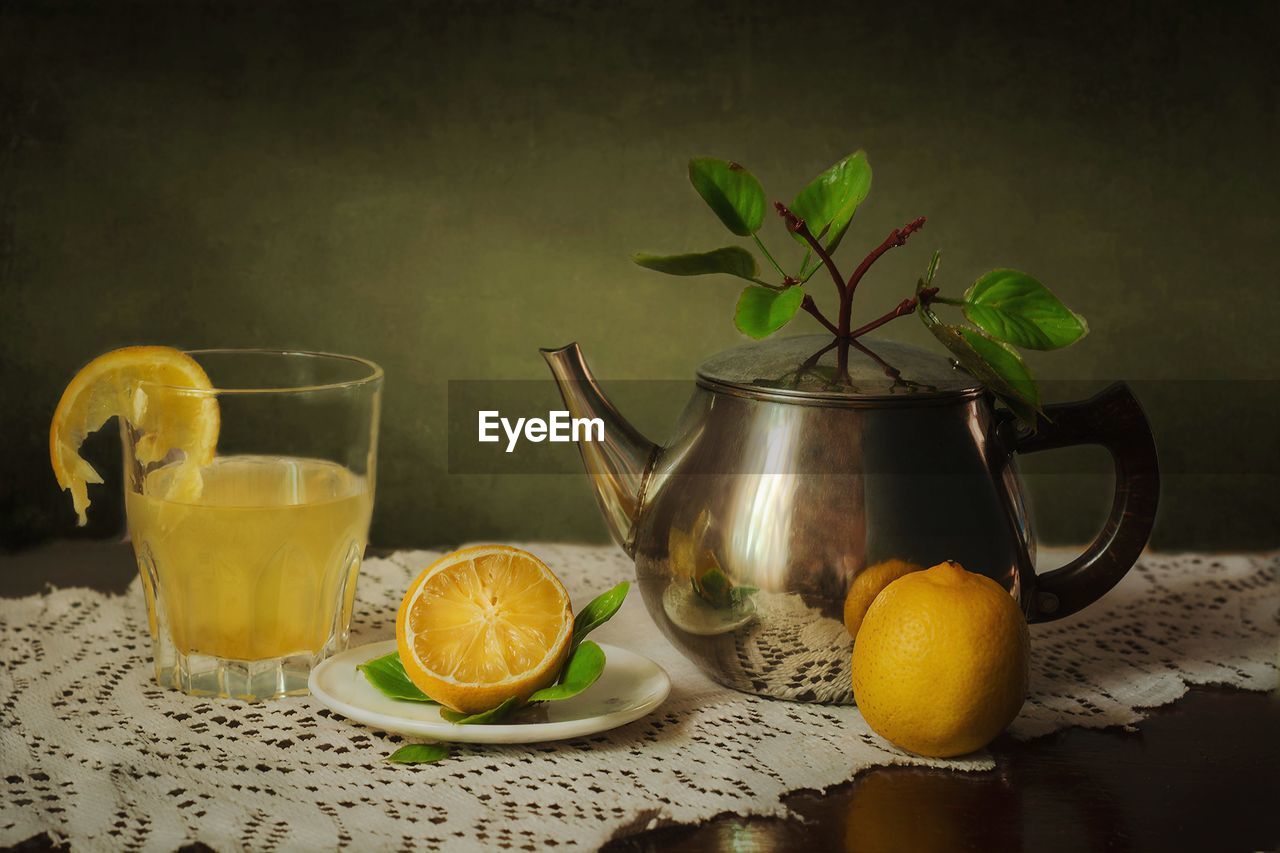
[249,680]
[255,626]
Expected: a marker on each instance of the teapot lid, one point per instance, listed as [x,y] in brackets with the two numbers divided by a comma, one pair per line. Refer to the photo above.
[807,369]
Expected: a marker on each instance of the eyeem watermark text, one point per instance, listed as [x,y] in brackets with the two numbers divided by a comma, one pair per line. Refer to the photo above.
[558,427]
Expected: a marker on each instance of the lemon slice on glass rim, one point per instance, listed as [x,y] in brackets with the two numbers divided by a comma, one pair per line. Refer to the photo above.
[156,391]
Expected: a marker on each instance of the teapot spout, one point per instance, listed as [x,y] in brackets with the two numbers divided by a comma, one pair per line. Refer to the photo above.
[620,464]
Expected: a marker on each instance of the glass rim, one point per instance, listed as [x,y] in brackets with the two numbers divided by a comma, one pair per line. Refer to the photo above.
[374,374]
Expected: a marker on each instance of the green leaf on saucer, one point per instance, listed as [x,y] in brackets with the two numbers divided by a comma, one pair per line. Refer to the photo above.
[598,612]
[388,677]
[419,753]
[731,191]
[493,715]
[1013,307]
[731,260]
[581,672]
[762,311]
[828,203]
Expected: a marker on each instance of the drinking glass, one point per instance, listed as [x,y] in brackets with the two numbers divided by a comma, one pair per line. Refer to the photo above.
[249,562]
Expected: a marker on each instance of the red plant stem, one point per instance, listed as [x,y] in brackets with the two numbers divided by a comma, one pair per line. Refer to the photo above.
[889,370]
[813,359]
[897,237]
[905,307]
[812,307]
[796,225]
[842,361]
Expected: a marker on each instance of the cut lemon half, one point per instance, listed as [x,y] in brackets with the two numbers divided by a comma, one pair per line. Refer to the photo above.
[484,625]
[156,391]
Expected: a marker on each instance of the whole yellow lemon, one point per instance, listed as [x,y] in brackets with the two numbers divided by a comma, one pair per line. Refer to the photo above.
[867,585]
[940,662]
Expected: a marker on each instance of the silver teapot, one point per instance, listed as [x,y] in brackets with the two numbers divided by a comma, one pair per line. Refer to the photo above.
[798,463]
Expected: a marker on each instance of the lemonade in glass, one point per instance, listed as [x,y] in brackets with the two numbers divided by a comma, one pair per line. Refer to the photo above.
[249,489]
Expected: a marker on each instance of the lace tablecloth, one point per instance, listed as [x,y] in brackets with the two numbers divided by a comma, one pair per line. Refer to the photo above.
[91,751]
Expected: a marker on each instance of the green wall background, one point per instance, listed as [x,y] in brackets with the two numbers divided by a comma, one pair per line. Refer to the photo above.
[446,187]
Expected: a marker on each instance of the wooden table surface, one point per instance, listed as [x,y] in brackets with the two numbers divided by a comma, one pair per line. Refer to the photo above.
[1200,774]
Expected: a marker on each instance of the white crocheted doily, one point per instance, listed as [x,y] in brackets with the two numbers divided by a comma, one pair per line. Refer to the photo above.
[92,751]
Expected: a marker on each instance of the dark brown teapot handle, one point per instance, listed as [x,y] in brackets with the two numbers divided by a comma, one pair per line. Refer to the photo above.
[1114,420]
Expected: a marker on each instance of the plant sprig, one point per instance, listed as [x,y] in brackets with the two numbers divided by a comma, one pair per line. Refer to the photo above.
[1008,308]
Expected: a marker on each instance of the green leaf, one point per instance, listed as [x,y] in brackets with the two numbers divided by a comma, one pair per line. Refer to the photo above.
[1005,360]
[806,272]
[493,715]
[419,753]
[581,672]
[932,271]
[1012,306]
[762,311]
[598,612]
[388,677]
[731,260]
[995,365]
[731,191]
[829,201]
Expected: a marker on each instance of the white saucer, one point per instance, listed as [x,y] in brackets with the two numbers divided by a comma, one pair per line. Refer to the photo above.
[630,687]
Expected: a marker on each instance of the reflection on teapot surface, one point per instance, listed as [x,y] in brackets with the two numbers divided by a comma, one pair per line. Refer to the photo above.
[701,598]
[791,470]
[691,614]
[774,642]
[801,538]
[811,375]
[783,648]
